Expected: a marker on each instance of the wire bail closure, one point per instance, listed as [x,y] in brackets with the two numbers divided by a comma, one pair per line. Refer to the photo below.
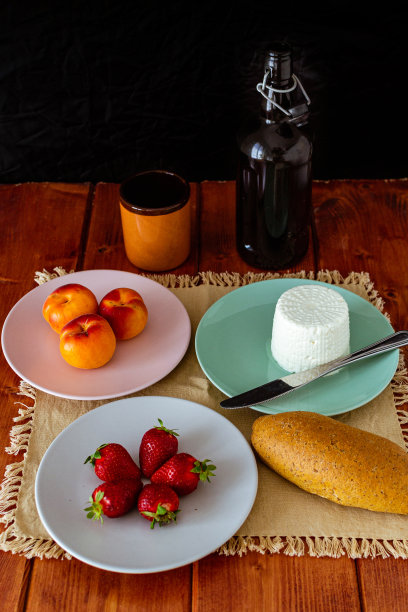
[267,91]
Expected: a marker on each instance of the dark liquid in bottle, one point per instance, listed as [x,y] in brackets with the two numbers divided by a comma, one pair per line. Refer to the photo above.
[273,211]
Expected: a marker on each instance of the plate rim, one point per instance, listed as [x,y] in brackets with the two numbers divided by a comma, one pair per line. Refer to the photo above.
[249,500]
[113,395]
[269,409]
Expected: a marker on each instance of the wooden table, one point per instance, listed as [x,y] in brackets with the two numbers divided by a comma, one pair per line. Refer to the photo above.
[357,226]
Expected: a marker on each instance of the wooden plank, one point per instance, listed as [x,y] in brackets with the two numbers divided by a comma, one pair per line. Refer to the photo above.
[383,584]
[105,248]
[14,580]
[266,583]
[256,582]
[363,226]
[41,227]
[218,234]
[71,585]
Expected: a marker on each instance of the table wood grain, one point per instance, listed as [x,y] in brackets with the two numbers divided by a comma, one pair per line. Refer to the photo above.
[357,226]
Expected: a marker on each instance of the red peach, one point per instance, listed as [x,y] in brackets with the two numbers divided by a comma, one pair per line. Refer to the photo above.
[126,312]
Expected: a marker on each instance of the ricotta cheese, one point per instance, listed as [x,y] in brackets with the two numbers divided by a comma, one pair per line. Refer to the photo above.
[310,327]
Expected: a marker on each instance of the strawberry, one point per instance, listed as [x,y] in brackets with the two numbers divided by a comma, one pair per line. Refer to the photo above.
[113,499]
[113,462]
[158,504]
[182,473]
[158,444]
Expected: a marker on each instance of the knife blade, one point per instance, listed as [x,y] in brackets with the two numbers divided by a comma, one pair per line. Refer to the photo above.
[291,382]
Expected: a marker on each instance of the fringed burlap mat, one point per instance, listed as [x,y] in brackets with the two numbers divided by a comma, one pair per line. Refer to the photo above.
[284,518]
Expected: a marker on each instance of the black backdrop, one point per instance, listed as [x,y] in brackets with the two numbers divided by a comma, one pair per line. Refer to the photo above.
[98,90]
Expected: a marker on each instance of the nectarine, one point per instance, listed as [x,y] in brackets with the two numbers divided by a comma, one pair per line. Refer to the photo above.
[126,312]
[87,342]
[68,302]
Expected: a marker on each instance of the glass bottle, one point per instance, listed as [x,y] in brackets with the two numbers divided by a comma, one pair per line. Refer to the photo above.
[274,171]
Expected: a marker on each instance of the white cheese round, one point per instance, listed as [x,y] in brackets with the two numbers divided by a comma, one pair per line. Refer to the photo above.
[310,327]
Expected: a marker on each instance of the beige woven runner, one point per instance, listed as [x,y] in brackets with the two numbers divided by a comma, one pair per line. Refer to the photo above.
[284,518]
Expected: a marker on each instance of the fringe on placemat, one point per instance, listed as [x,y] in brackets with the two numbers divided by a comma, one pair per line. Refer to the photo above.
[317,547]
[173,281]
[399,386]
[19,436]
[31,547]
[238,545]
[235,279]
[44,276]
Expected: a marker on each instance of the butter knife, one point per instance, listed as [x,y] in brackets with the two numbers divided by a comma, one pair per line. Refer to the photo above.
[287,384]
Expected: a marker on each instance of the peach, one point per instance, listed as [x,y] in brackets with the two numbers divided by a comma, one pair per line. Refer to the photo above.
[126,312]
[87,342]
[68,302]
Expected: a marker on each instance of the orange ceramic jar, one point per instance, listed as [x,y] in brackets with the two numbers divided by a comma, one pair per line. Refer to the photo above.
[156,223]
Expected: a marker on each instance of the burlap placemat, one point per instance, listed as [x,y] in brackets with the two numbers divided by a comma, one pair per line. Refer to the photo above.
[284,518]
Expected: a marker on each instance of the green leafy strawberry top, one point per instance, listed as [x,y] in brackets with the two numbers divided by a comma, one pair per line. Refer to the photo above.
[161,427]
[162,516]
[95,510]
[204,470]
[97,455]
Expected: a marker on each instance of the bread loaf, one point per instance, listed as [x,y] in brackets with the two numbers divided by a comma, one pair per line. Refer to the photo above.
[349,466]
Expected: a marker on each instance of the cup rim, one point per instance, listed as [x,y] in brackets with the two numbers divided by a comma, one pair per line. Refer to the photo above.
[163,210]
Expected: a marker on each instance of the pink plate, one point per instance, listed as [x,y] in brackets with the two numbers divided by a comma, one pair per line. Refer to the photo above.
[31,347]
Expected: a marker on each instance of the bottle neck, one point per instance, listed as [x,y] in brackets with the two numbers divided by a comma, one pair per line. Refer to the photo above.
[271,113]
[278,76]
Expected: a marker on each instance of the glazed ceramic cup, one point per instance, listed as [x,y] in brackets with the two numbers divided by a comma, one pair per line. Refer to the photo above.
[156,219]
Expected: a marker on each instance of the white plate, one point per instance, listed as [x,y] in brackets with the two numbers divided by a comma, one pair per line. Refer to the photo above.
[31,347]
[209,516]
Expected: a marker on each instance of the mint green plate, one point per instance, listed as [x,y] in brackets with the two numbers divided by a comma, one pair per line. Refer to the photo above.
[233,348]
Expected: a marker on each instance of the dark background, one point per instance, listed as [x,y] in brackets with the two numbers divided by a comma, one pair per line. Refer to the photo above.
[94,91]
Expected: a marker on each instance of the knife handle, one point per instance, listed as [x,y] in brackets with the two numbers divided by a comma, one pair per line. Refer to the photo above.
[393,341]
